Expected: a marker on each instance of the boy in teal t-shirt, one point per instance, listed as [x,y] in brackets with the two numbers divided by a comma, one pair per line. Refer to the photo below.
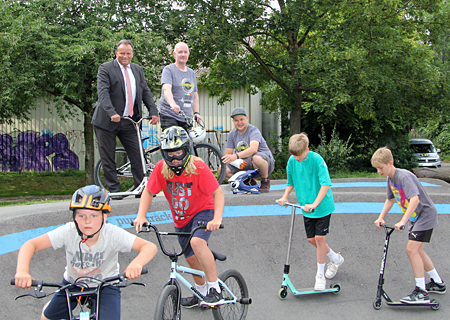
[308,173]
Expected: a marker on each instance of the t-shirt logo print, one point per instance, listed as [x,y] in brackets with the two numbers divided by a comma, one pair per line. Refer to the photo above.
[179,197]
[241,146]
[400,196]
[188,87]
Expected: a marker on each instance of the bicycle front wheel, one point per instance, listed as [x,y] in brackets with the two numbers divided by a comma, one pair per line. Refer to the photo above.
[166,307]
[232,311]
[212,156]
[123,169]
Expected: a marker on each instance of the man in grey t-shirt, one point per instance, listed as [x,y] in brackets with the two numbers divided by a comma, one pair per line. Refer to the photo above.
[179,90]
[246,142]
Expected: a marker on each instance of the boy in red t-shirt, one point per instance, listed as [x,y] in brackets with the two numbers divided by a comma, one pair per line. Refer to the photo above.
[194,195]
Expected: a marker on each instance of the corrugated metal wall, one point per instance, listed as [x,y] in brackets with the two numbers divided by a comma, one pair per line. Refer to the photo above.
[48,143]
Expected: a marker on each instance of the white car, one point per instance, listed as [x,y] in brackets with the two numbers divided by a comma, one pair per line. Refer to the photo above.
[426,153]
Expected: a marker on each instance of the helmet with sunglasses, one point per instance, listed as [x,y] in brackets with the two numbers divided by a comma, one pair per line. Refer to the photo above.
[176,139]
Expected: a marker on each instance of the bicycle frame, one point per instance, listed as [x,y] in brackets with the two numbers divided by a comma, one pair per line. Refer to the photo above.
[197,149]
[138,190]
[175,270]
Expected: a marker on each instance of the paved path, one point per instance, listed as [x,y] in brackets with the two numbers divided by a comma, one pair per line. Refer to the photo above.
[255,242]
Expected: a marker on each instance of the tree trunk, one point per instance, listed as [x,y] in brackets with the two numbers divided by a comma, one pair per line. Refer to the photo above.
[441,174]
[89,149]
[296,117]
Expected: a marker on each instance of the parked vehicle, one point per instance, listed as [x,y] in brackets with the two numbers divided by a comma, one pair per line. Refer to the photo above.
[426,153]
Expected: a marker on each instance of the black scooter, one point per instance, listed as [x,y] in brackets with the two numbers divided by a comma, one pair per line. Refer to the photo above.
[434,304]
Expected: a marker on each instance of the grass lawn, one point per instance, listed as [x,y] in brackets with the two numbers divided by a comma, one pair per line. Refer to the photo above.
[65,182]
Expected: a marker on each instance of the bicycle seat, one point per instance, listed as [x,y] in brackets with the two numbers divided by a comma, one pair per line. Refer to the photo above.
[219,256]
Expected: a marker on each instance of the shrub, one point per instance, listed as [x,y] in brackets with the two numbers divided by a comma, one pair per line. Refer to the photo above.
[336,152]
[281,155]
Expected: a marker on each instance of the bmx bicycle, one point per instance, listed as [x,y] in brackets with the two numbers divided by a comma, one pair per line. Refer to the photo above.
[434,304]
[209,153]
[87,298]
[232,283]
[287,283]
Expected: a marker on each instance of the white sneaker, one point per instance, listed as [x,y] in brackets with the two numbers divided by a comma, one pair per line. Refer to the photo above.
[332,267]
[321,283]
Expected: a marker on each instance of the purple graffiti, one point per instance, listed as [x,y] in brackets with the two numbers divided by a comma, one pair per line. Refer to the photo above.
[32,152]
[65,158]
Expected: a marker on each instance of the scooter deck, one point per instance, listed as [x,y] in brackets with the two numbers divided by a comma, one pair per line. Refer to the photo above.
[403,304]
[303,291]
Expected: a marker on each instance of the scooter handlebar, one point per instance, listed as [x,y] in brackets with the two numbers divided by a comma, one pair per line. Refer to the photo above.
[295,205]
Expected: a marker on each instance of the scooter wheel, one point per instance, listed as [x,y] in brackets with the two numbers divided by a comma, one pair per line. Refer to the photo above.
[336,286]
[282,293]
[435,306]
[377,304]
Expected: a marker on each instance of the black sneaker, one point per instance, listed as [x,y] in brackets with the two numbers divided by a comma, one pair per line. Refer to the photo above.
[213,298]
[190,302]
[436,287]
[417,296]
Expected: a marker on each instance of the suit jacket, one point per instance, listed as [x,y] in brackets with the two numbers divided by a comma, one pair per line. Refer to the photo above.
[111,95]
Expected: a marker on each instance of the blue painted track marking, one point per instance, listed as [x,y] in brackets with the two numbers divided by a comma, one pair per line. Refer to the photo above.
[12,242]
[368,184]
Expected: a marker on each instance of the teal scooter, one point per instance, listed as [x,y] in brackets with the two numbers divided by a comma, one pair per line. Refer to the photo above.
[287,283]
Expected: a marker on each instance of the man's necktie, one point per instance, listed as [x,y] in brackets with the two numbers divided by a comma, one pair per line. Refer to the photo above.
[129,93]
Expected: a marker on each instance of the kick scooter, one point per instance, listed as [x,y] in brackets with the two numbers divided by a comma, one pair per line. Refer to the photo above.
[433,303]
[287,284]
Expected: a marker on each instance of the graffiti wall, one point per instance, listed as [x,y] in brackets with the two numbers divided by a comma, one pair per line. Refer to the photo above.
[28,150]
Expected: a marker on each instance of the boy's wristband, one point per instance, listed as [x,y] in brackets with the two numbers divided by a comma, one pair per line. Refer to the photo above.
[196,112]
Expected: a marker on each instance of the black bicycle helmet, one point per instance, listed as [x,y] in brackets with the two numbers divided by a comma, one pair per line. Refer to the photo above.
[174,139]
[90,197]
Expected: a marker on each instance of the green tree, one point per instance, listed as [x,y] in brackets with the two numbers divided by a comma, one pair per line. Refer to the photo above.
[53,49]
[370,60]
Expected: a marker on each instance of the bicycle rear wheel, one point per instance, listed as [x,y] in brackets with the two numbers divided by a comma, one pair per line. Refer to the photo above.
[233,311]
[123,169]
[212,156]
[166,307]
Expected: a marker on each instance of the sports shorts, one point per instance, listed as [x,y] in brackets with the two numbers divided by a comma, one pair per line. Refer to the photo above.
[204,215]
[316,226]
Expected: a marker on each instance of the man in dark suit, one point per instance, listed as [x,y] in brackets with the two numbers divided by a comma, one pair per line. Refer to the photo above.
[121,89]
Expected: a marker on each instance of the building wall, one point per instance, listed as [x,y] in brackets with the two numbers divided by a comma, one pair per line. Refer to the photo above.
[46,142]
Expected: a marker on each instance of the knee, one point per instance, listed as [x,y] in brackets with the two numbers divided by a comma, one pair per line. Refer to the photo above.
[312,241]
[198,244]
[321,241]
[258,160]
[410,251]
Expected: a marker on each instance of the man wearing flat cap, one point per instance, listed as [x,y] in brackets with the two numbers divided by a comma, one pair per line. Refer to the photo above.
[246,142]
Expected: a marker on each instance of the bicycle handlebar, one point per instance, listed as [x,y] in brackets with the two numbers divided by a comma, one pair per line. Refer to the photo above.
[296,205]
[35,283]
[147,227]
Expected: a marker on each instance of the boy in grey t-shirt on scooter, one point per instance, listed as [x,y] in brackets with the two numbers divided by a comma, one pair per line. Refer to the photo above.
[405,188]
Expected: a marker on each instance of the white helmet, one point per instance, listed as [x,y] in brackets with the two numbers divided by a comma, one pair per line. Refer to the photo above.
[197,134]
